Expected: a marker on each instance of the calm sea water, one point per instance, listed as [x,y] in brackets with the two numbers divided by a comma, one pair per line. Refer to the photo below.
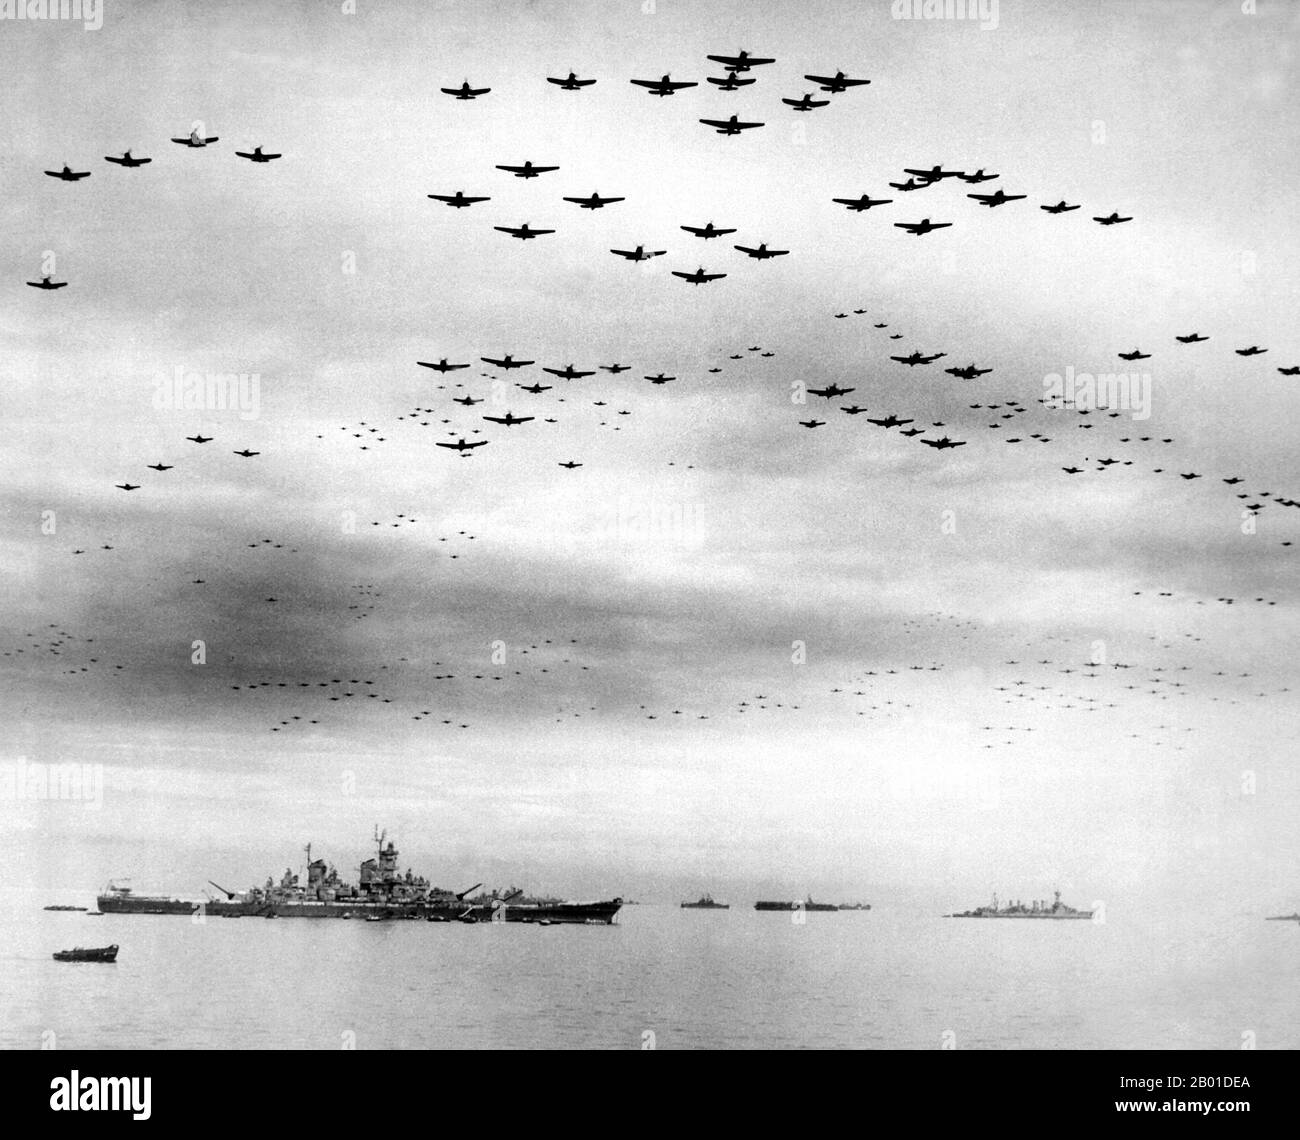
[661,976]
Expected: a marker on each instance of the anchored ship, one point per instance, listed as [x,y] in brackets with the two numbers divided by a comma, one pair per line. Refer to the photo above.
[1283,918]
[1038,908]
[382,893]
[705,902]
[796,904]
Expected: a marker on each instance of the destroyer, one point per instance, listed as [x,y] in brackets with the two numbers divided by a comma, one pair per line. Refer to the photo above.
[797,904]
[382,892]
[1036,909]
[705,902]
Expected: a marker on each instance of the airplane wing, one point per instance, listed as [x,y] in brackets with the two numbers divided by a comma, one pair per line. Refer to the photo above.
[746,249]
[717,122]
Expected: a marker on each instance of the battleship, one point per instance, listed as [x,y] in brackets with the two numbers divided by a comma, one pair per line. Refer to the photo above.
[796,904]
[382,892]
[705,902]
[1038,908]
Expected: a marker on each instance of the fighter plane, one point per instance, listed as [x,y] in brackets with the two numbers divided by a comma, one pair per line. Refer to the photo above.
[699,277]
[831,391]
[507,361]
[614,368]
[523,233]
[128,486]
[916,358]
[732,126]
[247,454]
[1136,354]
[934,174]
[940,444]
[967,373]
[67,174]
[1111,220]
[199,438]
[127,160]
[978,176]
[852,410]
[909,432]
[509,419]
[836,84]
[458,200]
[910,184]
[742,62]
[1253,350]
[639,254]
[461,445]
[535,389]
[46,283]
[997,198]
[807,103]
[924,226]
[160,466]
[468,401]
[863,203]
[733,82]
[1060,208]
[595,202]
[465,91]
[1193,339]
[660,379]
[1072,470]
[572,83]
[811,423]
[256,155]
[570,465]
[441,365]
[889,421]
[1294,370]
[196,140]
[528,170]
[664,86]
[762,253]
[568,372]
[709,231]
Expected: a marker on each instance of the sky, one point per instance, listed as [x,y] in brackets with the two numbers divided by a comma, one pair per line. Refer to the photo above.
[667,670]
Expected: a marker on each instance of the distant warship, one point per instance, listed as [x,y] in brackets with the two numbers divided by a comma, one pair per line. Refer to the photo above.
[705,902]
[1036,909]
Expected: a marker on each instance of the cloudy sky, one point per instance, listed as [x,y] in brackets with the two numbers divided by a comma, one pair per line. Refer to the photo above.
[669,669]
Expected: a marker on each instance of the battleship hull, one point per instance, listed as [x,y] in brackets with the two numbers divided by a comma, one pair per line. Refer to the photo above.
[1081,914]
[592,913]
[769,905]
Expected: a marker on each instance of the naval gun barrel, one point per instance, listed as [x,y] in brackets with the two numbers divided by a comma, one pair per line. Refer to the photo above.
[461,894]
[228,894]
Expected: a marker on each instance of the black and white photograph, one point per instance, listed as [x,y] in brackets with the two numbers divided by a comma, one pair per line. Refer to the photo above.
[795,504]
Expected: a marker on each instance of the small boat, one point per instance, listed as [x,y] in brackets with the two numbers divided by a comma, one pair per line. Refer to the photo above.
[374,918]
[436,918]
[64,908]
[87,954]
[94,914]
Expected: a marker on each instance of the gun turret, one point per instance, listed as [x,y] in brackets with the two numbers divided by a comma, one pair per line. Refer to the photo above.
[228,894]
[461,894]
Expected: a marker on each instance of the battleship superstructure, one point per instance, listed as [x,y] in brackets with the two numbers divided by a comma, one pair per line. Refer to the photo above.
[382,892]
[1038,908]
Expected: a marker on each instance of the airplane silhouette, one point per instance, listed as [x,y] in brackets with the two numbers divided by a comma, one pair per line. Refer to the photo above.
[940,444]
[507,361]
[247,454]
[836,84]
[256,155]
[160,466]
[458,200]
[468,401]
[934,174]
[570,464]
[699,277]
[595,202]
[889,421]
[196,140]
[978,176]
[968,373]
[1253,350]
[1136,354]
[733,82]
[46,283]
[127,160]
[1111,220]
[762,253]
[199,438]
[535,389]
[67,174]
[811,423]
[572,83]
[863,203]
[664,86]
[852,410]
[924,226]
[615,368]
[708,231]
[1060,208]
[509,419]
[997,198]
[912,184]
[1294,370]
[660,379]
[465,91]
[128,486]
[441,365]
[528,170]
[1192,339]
[831,391]
[568,372]
[916,358]
[807,103]
[639,254]
[732,126]
[523,233]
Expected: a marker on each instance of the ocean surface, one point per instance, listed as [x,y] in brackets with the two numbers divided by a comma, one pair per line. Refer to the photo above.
[661,977]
